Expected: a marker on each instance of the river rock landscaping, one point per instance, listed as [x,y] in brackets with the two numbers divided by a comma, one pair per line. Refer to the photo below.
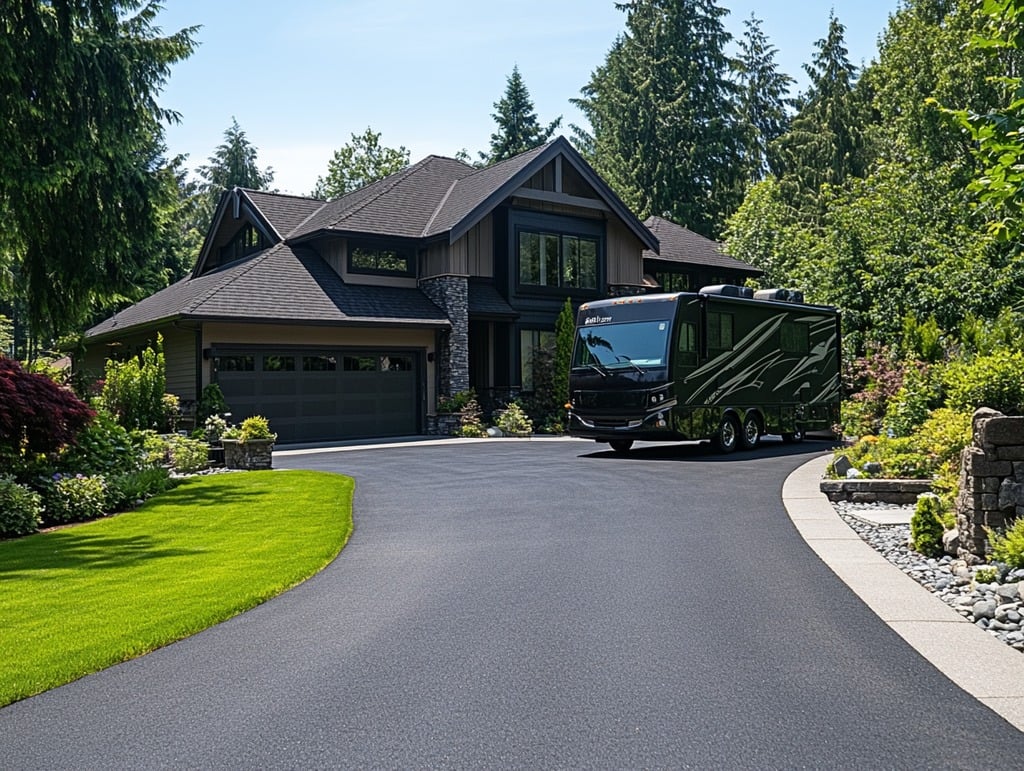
[995,606]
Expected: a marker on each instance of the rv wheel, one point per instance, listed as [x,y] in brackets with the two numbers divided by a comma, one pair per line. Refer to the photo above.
[728,434]
[795,436]
[751,433]
[621,445]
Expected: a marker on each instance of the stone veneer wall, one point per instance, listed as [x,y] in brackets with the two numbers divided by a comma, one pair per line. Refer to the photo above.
[991,481]
[451,294]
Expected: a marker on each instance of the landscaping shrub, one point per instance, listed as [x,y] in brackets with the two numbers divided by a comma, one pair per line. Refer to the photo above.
[74,499]
[920,393]
[103,447]
[189,455]
[926,526]
[456,403]
[211,402]
[213,429]
[133,390]
[125,490]
[256,427]
[513,420]
[20,509]
[36,414]
[871,382]
[1008,547]
[470,425]
[153,449]
[995,380]
[932,450]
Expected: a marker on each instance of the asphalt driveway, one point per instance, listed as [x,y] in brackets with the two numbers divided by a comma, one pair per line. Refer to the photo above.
[536,604]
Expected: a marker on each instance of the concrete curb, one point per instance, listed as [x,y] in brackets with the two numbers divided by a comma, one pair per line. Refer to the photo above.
[983,666]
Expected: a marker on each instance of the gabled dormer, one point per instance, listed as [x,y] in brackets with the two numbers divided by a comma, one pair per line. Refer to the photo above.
[239,229]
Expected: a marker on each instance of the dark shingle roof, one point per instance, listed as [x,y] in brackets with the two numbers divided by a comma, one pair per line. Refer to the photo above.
[279,284]
[484,300]
[678,244]
[400,205]
[284,212]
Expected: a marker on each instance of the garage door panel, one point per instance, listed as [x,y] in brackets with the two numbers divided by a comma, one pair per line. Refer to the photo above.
[326,395]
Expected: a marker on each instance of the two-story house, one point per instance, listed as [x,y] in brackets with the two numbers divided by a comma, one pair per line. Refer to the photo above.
[349,318]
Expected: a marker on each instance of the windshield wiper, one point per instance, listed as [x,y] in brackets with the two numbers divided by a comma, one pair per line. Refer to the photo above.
[629,361]
[597,368]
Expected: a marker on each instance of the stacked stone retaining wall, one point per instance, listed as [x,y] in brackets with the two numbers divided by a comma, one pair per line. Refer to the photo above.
[991,481]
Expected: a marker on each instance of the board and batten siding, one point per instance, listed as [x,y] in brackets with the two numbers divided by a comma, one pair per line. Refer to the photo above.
[179,357]
[625,255]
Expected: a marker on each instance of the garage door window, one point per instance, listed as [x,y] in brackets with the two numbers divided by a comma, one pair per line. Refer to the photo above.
[319,364]
[278,363]
[236,363]
[360,363]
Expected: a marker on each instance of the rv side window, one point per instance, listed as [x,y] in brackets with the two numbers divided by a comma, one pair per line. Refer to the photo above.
[794,337]
[719,331]
[687,346]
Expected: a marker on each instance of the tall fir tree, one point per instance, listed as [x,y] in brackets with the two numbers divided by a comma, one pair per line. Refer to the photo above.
[825,144]
[82,177]
[518,127]
[763,98]
[665,130]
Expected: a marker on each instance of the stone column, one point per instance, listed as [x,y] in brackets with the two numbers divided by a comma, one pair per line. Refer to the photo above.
[451,294]
[991,481]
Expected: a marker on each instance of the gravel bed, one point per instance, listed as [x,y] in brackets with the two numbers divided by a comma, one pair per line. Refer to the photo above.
[998,608]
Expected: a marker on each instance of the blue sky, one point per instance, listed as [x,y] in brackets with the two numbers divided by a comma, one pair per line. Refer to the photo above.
[302,76]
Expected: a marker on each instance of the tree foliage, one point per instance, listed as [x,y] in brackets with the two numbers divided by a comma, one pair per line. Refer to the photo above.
[82,179]
[358,163]
[36,414]
[763,98]
[518,127]
[824,145]
[665,131]
[999,131]
[235,163]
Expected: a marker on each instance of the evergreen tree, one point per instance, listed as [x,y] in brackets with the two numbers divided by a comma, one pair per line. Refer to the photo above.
[825,142]
[81,170]
[357,164]
[565,336]
[234,164]
[762,98]
[665,132]
[518,129]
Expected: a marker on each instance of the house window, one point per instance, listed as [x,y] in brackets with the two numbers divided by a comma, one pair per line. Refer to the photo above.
[246,241]
[560,261]
[374,259]
[674,282]
[720,331]
[536,354]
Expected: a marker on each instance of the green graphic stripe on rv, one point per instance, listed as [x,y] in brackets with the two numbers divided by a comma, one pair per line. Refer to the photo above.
[743,374]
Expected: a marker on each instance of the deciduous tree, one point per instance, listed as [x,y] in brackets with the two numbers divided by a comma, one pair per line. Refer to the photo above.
[358,163]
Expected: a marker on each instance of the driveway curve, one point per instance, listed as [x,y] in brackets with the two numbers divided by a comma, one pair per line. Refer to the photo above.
[526,603]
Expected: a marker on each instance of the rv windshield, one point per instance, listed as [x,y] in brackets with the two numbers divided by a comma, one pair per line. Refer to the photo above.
[633,345]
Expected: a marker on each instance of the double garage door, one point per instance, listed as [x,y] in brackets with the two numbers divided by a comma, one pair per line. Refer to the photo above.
[323,395]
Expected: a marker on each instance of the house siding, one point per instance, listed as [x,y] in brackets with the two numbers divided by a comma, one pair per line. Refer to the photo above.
[625,263]
[180,359]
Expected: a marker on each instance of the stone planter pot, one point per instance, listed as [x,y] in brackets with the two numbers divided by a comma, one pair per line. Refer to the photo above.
[253,455]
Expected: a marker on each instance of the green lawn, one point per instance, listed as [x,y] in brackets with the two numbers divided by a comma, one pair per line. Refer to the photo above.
[76,600]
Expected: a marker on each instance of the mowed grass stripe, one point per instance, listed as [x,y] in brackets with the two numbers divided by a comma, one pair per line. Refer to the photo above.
[76,600]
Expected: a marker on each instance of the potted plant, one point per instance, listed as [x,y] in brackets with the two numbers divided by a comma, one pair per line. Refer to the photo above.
[249,446]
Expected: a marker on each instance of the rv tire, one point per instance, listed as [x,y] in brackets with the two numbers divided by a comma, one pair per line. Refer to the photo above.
[621,445]
[750,435]
[727,436]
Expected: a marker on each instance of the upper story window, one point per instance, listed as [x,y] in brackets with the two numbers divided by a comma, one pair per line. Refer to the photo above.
[561,261]
[246,241]
[673,282]
[368,258]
